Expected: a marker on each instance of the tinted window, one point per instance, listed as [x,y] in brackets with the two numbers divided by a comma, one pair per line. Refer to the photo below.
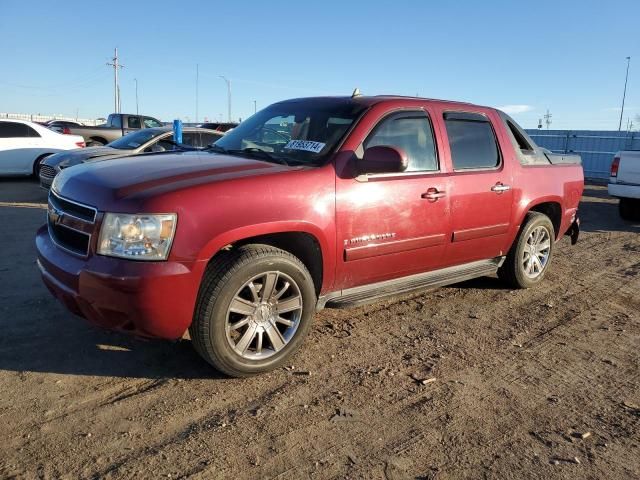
[115,121]
[199,139]
[134,122]
[151,122]
[16,130]
[473,144]
[412,133]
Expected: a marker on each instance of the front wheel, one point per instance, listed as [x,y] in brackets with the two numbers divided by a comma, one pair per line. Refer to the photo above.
[255,306]
[528,259]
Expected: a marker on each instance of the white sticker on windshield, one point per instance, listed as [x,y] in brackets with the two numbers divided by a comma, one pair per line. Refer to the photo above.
[306,145]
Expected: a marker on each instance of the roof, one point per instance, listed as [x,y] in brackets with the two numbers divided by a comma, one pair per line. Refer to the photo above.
[375,99]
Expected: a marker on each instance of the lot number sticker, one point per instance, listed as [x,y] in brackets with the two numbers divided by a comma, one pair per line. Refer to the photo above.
[306,145]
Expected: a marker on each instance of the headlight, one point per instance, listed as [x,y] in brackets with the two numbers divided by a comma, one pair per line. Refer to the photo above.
[139,237]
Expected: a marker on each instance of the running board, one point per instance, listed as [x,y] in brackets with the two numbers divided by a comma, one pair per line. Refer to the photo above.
[374,292]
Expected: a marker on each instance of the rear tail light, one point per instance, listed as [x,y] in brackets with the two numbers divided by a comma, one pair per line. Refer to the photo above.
[615,165]
[81,144]
[66,131]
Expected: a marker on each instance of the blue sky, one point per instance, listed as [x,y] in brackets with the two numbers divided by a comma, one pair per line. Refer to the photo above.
[568,56]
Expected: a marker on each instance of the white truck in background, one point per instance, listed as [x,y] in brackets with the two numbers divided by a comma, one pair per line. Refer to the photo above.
[624,183]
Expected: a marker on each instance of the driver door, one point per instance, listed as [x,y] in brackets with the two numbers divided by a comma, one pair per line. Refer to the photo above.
[391,225]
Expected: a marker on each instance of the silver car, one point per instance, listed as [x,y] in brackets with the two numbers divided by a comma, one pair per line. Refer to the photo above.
[149,140]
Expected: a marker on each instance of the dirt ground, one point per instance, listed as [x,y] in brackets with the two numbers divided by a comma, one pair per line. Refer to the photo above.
[520,378]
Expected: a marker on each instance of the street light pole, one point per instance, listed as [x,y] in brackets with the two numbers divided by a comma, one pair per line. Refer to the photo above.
[624,94]
[228,82]
[136,80]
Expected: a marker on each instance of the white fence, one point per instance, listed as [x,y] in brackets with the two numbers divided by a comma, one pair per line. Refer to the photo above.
[43,118]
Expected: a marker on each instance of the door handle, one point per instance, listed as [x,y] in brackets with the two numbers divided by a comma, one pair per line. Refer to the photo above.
[432,194]
[500,188]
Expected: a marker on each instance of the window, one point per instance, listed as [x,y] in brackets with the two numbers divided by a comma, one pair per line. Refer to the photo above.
[411,132]
[521,142]
[472,141]
[134,122]
[304,131]
[115,121]
[199,139]
[135,139]
[17,130]
[151,122]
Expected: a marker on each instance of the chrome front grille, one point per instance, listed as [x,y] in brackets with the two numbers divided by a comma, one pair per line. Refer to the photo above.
[47,171]
[71,224]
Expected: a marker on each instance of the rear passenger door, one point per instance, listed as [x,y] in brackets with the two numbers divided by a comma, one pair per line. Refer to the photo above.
[18,148]
[481,195]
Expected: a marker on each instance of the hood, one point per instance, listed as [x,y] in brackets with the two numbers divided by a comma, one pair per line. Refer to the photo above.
[80,155]
[128,181]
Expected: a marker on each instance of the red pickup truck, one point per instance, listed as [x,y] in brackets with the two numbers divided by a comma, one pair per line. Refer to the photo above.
[310,203]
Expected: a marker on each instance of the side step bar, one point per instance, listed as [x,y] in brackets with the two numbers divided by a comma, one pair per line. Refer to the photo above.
[374,292]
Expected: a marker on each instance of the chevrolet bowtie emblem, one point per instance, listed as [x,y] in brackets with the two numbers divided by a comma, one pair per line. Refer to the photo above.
[55,215]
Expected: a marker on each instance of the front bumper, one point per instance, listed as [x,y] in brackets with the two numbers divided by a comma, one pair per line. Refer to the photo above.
[150,299]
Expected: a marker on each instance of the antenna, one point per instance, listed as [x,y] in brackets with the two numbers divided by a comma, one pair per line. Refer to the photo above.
[356,93]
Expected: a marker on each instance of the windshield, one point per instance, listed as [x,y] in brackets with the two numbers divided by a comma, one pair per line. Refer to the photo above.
[133,140]
[295,132]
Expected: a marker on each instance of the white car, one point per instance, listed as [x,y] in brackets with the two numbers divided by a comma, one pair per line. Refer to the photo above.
[24,145]
[624,183]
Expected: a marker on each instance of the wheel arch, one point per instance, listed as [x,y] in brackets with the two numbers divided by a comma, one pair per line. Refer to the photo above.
[551,207]
[305,242]
[98,139]
[40,157]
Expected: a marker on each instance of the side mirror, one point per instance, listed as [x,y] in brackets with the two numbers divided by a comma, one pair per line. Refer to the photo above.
[382,159]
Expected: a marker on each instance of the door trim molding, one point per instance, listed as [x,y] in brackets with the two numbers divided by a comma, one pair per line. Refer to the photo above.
[386,248]
[479,232]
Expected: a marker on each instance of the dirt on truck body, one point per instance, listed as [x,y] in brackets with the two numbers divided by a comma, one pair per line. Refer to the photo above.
[470,381]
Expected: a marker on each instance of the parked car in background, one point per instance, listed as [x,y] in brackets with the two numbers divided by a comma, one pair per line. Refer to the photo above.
[219,126]
[624,183]
[60,125]
[356,199]
[117,125]
[24,145]
[142,141]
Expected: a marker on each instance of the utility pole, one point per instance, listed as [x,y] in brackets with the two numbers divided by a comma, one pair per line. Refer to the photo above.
[624,93]
[116,85]
[255,108]
[136,80]
[547,119]
[197,79]
[228,82]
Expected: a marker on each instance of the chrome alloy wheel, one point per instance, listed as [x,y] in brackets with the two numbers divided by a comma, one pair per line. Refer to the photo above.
[536,252]
[264,315]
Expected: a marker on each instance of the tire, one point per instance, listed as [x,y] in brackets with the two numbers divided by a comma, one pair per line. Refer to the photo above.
[96,143]
[38,163]
[629,209]
[523,272]
[243,276]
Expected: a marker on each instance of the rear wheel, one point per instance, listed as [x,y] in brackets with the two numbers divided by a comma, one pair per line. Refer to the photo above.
[255,306]
[96,143]
[528,260]
[629,208]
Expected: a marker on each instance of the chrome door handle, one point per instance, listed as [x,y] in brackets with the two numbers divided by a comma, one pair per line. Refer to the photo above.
[433,194]
[499,188]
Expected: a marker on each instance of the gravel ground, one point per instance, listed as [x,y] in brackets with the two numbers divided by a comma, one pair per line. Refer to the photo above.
[470,381]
